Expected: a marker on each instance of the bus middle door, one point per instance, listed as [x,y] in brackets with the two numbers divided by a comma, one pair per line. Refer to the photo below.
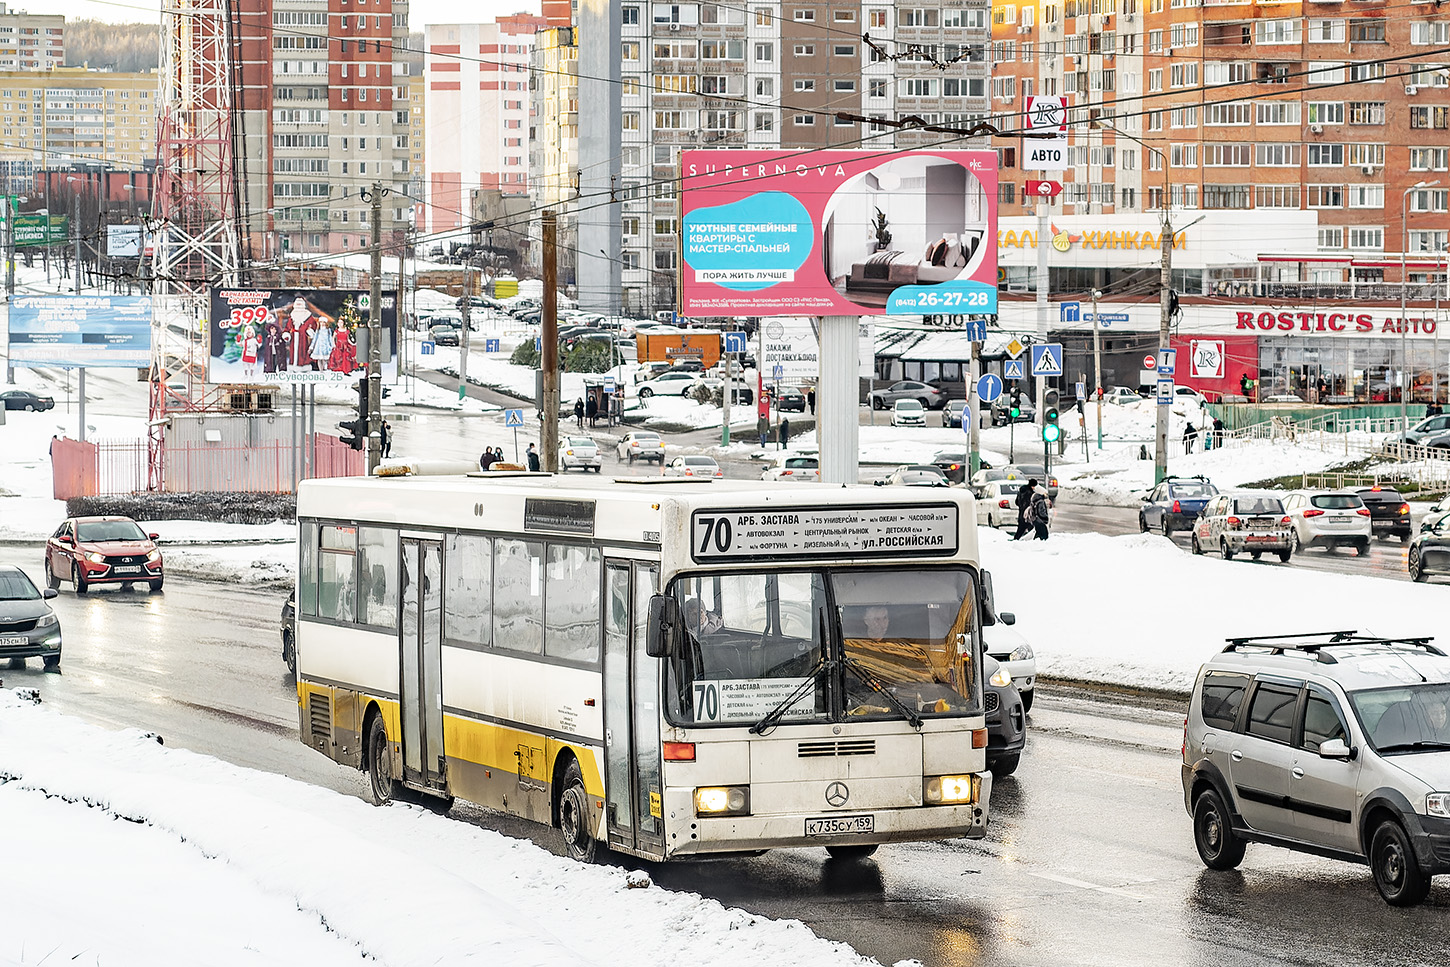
[420,664]
[633,790]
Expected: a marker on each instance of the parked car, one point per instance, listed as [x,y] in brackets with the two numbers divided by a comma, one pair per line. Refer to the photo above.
[907,413]
[22,399]
[951,414]
[1121,395]
[1430,549]
[648,371]
[997,502]
[1002,411]
[794,469]
[1006,719]
[1174,504]
[289,632]
[641,445]
[790,400]
[1329,744]
[1189,393]
[668,383]
[690,365]
[988,474]
[1329,519]
[1420,433]
[914,475]
[579,453]
[926,394]
[740,392]
[1006,644]
[1231,523]
[1389,514]
[694,466]
[102,550]
[952,463]
[1029,471]
[445,334]
[28,626]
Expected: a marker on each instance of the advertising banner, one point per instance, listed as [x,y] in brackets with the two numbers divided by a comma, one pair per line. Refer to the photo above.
[33,230]
[296,335]
[790,349]
[80,330]
[782,233]
[123,241]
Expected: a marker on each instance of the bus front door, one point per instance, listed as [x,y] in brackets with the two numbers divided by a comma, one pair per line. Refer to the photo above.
[633,788]
[420,663]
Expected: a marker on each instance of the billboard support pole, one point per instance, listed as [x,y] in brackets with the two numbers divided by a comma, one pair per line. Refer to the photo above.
[549,343]
[10,267]
[838,418]
[81,393]
[1042,289]
[375,336]
[972,412]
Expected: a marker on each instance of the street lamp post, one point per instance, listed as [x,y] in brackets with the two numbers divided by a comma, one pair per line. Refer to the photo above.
[1404,326]
[75,229]
[1098,365]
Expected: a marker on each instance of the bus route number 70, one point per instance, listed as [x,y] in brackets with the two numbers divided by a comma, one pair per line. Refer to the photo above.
[716,535]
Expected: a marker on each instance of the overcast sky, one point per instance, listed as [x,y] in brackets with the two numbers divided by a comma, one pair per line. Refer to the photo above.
[131,11]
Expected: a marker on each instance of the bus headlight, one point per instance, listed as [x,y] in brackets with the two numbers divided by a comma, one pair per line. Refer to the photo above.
[944,790]
[722,801]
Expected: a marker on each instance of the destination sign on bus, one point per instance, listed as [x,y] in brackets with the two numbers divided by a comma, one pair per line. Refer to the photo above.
[748,699]
[815,532]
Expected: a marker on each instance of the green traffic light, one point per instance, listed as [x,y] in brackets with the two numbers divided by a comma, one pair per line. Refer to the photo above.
[1051,433]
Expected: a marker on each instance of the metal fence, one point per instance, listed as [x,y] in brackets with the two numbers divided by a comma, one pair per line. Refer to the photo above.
[109,468]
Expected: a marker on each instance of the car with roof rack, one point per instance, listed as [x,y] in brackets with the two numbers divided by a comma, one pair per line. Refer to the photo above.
[1335,744]
[1246,522]
[1174,504]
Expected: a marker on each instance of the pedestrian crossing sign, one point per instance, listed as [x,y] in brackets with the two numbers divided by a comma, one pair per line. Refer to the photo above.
[1012,369]
[513,418]
[1047,359]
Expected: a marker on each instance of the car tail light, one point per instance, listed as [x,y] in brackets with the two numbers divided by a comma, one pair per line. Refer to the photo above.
[1404,508]
[1285,520]
[689,472]
[1363,512]
[1052,481]
[1375,488]
[1234,522]
[1177,507]
[1003,503]
[956,466]
[679,751]
[1313,513]
[634,443]
[786,473]
[1183,751]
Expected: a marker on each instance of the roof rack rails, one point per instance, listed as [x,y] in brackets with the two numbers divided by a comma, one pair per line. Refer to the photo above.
[1314,642]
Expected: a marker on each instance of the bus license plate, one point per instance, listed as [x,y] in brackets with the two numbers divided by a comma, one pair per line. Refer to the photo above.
[14,640]
[834,825]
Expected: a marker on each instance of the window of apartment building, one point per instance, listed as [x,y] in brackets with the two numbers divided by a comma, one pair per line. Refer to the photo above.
[1367,30]
[917,17]
[1326,112]
[1155,121]
[764,121]
[804,84]
[1325,72]
[877,17]
[712,13]
[629,50]
[1429,117]
[664,154]
[1006,193]
[1325,31]
[843,16]
[1427,199]
[1331,238]
[629,86]
[1326,155]
[1367,112]
[670,120]
[675,50]
[1227,196]
[629,157]
[1277,112]
[1235,113]
[1184,75]
[629,259]
[1367,238]
[765,87]
[876,87]
[664,259]
[807,16]
[1367,72]
[1184,117]
[721,121]
[1365,196]
[1128,197]
[1183,35]
[804,50]
[1155,79]
[676,13]
[677,83]
[1184,156]
[1277,154]
[1326,196]
[629,16]
[1430,32]
[1003,88]
[804,120]
[845,50]
[922,87]
[764,53]
[843,87]
[1429,241]
[1227,71]
[1278,31]
[1367,154]
[1429,159]
[629,121]
[1227,155]
[1276,196]
[714,84]
[1155,41]
[722,50]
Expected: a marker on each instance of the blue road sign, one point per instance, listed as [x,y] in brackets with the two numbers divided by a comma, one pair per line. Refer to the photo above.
[989,387]
[777,372]
[513,418]
[538,344]
[1069,311]
[1047,359]
[427,346]
[1081,390]
[1165,391]
[976,330]
[1167,361]
[1107,318]
[490,345]
[1013,369]
[733,342]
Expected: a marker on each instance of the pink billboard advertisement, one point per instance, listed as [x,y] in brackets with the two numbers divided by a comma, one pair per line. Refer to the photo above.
[838,233]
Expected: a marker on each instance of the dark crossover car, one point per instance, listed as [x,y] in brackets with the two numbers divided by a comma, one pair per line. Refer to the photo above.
[1389,515]
[926,394]
[1430,548]
[102,550]
[19,399]
[951,414]
[1006,719]
[790,401]
[289,632]
[1174,504]
[953,463]
[28,627]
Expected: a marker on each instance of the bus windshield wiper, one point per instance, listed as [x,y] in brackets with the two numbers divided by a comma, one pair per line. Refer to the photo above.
[881,688]
[773,717]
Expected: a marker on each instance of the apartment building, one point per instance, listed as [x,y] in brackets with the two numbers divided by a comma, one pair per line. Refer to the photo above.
[65,117]
[1340,108]
[478,102]
[31,42]
[323,114]
[417,139]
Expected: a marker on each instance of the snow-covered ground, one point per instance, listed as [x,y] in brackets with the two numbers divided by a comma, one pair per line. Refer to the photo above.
[130,854]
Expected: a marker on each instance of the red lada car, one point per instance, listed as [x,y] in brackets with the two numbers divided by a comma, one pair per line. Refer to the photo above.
[102,550]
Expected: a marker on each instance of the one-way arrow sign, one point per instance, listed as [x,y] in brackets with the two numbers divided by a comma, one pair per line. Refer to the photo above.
[1044,189]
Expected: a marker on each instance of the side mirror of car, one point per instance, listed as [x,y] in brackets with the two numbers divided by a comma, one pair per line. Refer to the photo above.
[1007,618]
[49,593]
[154,537]
[664,626]
[66,539]
[1335,749]
[880,481]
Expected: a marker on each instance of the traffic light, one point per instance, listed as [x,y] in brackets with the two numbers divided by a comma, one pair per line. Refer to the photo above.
[1050,430]
[1015,409]
[357,430]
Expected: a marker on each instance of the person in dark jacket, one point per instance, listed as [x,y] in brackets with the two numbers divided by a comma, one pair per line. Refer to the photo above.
[784,433]
[579,413]
[385,438]
[486,461]
[1024,500]
[762,426]
[591,410]
[533,457]
[1039,512]
[1190,433]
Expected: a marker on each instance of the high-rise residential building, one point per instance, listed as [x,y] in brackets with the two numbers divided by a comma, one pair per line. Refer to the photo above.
[1338,108]
[417,141]
[776,75]
[554,136]
[322,99]
[31,42]
[477,103]
[65,117]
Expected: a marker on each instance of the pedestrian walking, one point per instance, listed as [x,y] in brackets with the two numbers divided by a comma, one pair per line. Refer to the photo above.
[784,433]
[1217,433]
[487,460]
[533,458]
[1039,511]
[385,438]
[1024,500]
[811,399]
[1190,433]
[579,412]
[762,427]
[591,410]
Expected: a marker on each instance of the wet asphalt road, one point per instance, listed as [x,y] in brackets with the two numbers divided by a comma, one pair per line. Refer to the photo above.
[1089,858]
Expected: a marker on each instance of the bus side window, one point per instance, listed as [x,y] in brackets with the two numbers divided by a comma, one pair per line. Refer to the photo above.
[337,573]
[518,595]
[378,576]
[468,580]
[307,570]
[571,602]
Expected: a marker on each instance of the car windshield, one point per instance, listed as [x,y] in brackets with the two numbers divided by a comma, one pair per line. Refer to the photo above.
[1192,490]
[1336,501]
[955,405]
[904,405]
[1410,718]
[1258,505]
[898,643]
[15,586]
[699,462]
[808,463]
[578,442]
[110,530]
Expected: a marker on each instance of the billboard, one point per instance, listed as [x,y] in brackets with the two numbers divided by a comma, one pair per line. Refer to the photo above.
[123,241]
[80,330]
[34,230]
[296,335]
[769,233]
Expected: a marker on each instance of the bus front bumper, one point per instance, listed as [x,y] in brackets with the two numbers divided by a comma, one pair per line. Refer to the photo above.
[688,834]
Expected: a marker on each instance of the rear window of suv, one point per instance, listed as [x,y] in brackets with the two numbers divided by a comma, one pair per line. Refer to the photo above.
[1222,697]
[1258,505]
[1336,501]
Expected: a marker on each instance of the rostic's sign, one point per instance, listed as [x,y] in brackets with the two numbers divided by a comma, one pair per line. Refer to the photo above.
[839,232]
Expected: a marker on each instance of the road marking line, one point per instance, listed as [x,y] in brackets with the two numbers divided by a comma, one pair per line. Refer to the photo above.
[1084,885]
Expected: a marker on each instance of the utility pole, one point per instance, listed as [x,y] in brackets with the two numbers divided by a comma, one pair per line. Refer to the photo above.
[76,231]
[375,335]
[973,412]
[1098,366]
[10,268]
[549,344]
[1043,284]
[466,307]
[1165,285]
[724,399]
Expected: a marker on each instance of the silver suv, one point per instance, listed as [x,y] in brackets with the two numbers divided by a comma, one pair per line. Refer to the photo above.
[1334,744]
[1230,523]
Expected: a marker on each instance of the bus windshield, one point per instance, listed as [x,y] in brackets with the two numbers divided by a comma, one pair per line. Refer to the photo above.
[824,646]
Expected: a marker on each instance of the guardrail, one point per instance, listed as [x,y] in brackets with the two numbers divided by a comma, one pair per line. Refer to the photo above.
[1433,477]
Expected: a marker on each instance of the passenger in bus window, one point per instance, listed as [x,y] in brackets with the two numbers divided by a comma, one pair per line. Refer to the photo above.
[877,619]
[699,621]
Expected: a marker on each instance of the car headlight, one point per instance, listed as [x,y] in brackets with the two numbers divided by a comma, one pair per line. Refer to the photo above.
[1000,678]
[1438,804]
[940,790]
[1022,652]
[722,801]
[96,558]
[154,556]
[46,620]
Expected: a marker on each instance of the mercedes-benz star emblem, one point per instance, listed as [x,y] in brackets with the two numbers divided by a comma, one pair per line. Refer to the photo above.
[837,794]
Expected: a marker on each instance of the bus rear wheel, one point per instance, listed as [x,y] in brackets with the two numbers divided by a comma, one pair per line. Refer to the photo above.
[574,817]
[851,852]
[382,787]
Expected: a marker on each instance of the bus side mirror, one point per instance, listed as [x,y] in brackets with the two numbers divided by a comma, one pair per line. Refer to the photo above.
[1007,618]
[989,601]
[663,628]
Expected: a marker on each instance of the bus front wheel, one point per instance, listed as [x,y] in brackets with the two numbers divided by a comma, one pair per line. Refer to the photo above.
[381,785]
[574,817]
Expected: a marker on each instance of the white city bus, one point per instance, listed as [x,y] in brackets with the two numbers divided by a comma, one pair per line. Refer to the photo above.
[671,669]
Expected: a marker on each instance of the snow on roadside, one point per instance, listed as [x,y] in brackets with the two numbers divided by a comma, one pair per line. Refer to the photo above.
[209,861]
